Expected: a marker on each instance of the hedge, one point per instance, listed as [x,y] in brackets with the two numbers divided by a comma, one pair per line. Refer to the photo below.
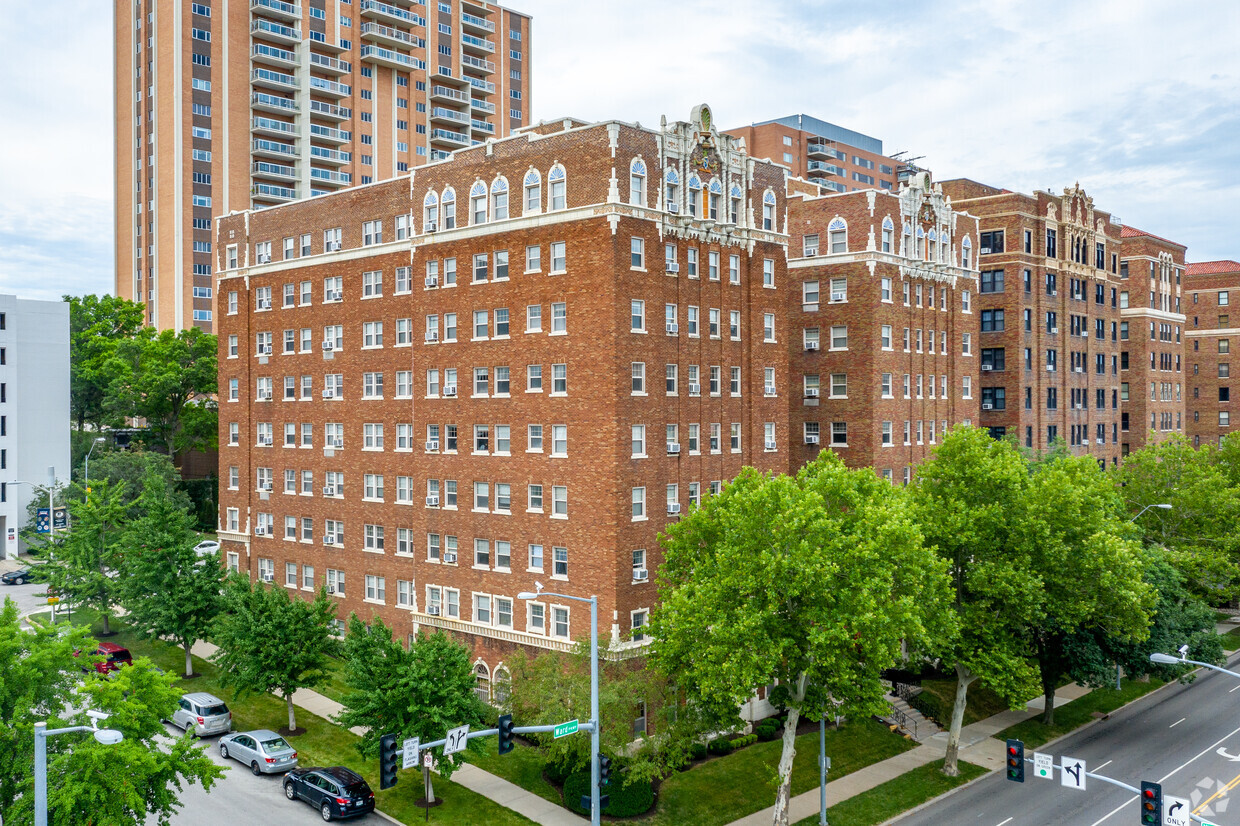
[720,745]
[768,729]
[623,800]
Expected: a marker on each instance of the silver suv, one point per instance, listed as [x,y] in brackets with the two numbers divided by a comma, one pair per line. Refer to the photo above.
[203,714]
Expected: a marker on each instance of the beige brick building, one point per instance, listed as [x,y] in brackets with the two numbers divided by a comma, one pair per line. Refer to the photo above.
[514,366]
[1210,333]
[225,105]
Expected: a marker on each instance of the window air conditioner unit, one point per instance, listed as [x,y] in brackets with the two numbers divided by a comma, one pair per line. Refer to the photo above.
[266,350]
[695,389]
[770,445]
[328,346]
[432,501]
[1079,370]
[333,246]
[432,281]
[672,266]
[1054,330]
[811,345]
[673,447]
[1101,441]
[331,589]
[641,575]
[811,392]
[449,557]
[811,439]
[267,487]
[267,441]
[333,295]
[839,296]
[432,610]
[986,368]
[264,304]
[264,258]
[1050,368]
[432,226]
[811,252]
[432,446]
[329,540]
[769,390]
[329,393]
[985,250]
[432,336]
[988,406]
[329,491]
[672,328]
[449,390]
[338,443]
[673,207]
[673,508]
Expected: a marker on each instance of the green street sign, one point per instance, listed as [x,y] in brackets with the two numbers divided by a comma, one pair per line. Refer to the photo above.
[565,729]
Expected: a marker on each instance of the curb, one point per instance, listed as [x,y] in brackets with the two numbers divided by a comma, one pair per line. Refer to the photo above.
[388,818]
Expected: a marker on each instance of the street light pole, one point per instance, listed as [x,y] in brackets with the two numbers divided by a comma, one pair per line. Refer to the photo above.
[86,472]
[595,815]
[107,736]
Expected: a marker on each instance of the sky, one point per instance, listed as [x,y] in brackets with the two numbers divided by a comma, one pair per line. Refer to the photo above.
[1138,101]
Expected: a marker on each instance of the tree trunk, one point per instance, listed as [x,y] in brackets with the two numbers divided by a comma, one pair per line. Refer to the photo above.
[107,628]
[189,662]
[1048,697]
[789,752]
[292,721]
[964,678]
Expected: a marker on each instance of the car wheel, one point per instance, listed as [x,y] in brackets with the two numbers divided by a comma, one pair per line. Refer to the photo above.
[254,768]
[223,751]
[21,580]
[326,811]
[289,792]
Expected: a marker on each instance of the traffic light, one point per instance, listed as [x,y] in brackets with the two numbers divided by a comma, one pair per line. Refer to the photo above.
[604,769]
[1016,761]
[387,761]
[1151,803]
[505,734]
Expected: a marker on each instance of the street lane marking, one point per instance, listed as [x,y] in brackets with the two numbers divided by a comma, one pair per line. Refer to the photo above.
[1177,722]
[1103,766]
[1230,785]
[1009,820]
[1237,688]
[1129,801]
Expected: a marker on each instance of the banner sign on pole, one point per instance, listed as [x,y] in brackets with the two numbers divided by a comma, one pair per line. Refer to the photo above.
[42,521]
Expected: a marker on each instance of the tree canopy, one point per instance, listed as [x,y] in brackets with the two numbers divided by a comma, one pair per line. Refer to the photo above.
[96,325]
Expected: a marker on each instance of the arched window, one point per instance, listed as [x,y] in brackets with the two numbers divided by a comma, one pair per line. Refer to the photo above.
[502,686]
[933,238]
[837,235]
[499,199]
[637,182]
[768,210]
[889,230]
[714,199]
[735,199]
[559,193]
[671,182]
[482,682]
[478,203]
[695,194]
[908,240]
[966,253]
[430,212]
[921,243]
[533,192]
[448,208]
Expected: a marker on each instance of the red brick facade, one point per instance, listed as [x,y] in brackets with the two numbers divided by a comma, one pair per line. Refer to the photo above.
[1209,288]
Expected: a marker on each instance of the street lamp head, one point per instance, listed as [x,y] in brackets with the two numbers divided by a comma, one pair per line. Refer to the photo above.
[527,595]
[100,440]
[1164,506]
[108,736]
[1164,659]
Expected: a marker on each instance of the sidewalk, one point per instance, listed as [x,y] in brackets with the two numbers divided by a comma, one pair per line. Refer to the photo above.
[499,790]
[977,746]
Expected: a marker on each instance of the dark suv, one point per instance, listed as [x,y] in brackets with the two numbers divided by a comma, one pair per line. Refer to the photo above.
[334,791]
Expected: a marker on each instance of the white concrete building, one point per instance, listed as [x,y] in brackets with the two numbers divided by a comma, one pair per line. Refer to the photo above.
[34,407]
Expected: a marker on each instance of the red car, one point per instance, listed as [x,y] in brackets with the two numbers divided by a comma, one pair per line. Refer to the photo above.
[115,655]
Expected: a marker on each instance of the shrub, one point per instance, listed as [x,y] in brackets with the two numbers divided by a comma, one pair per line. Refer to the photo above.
[720,745]
[697,751]
[768,729]
[624,800]
[557,772]
[779,697]
[747,740]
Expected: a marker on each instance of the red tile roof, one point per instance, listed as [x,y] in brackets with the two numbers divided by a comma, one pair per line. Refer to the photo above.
[1133,232]
[1213,267]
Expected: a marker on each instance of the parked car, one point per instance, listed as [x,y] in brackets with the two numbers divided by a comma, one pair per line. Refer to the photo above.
[203,714]
[207,547]
[264,751]
[19,577]
[114,657]
[335,791]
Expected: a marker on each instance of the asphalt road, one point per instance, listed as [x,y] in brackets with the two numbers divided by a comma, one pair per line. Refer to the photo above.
[1185,736]
[240,798]
[24,596]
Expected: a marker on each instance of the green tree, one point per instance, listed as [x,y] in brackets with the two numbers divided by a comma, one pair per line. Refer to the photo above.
[133,467]
[418,692]
[83,563]
[169,590]
[964,500]
[270,643]
[43,681]
[96,325]
[812,582]
[168,378]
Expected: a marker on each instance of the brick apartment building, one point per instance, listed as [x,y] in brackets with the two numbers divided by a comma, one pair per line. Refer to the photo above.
[1208,289]
[1151,338]
[231,106]
[407,399]
[883,303]
[1049,301]
[835,158]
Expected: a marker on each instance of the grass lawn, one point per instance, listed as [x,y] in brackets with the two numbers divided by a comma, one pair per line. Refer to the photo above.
[523,766]
[1078,712]
[889,799]
[1231,639]
[324,743]
[980,703]
[335,687]
[725,789]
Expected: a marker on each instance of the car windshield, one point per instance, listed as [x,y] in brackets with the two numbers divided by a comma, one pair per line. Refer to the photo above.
[275,744]
[118,655]
[211,711]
